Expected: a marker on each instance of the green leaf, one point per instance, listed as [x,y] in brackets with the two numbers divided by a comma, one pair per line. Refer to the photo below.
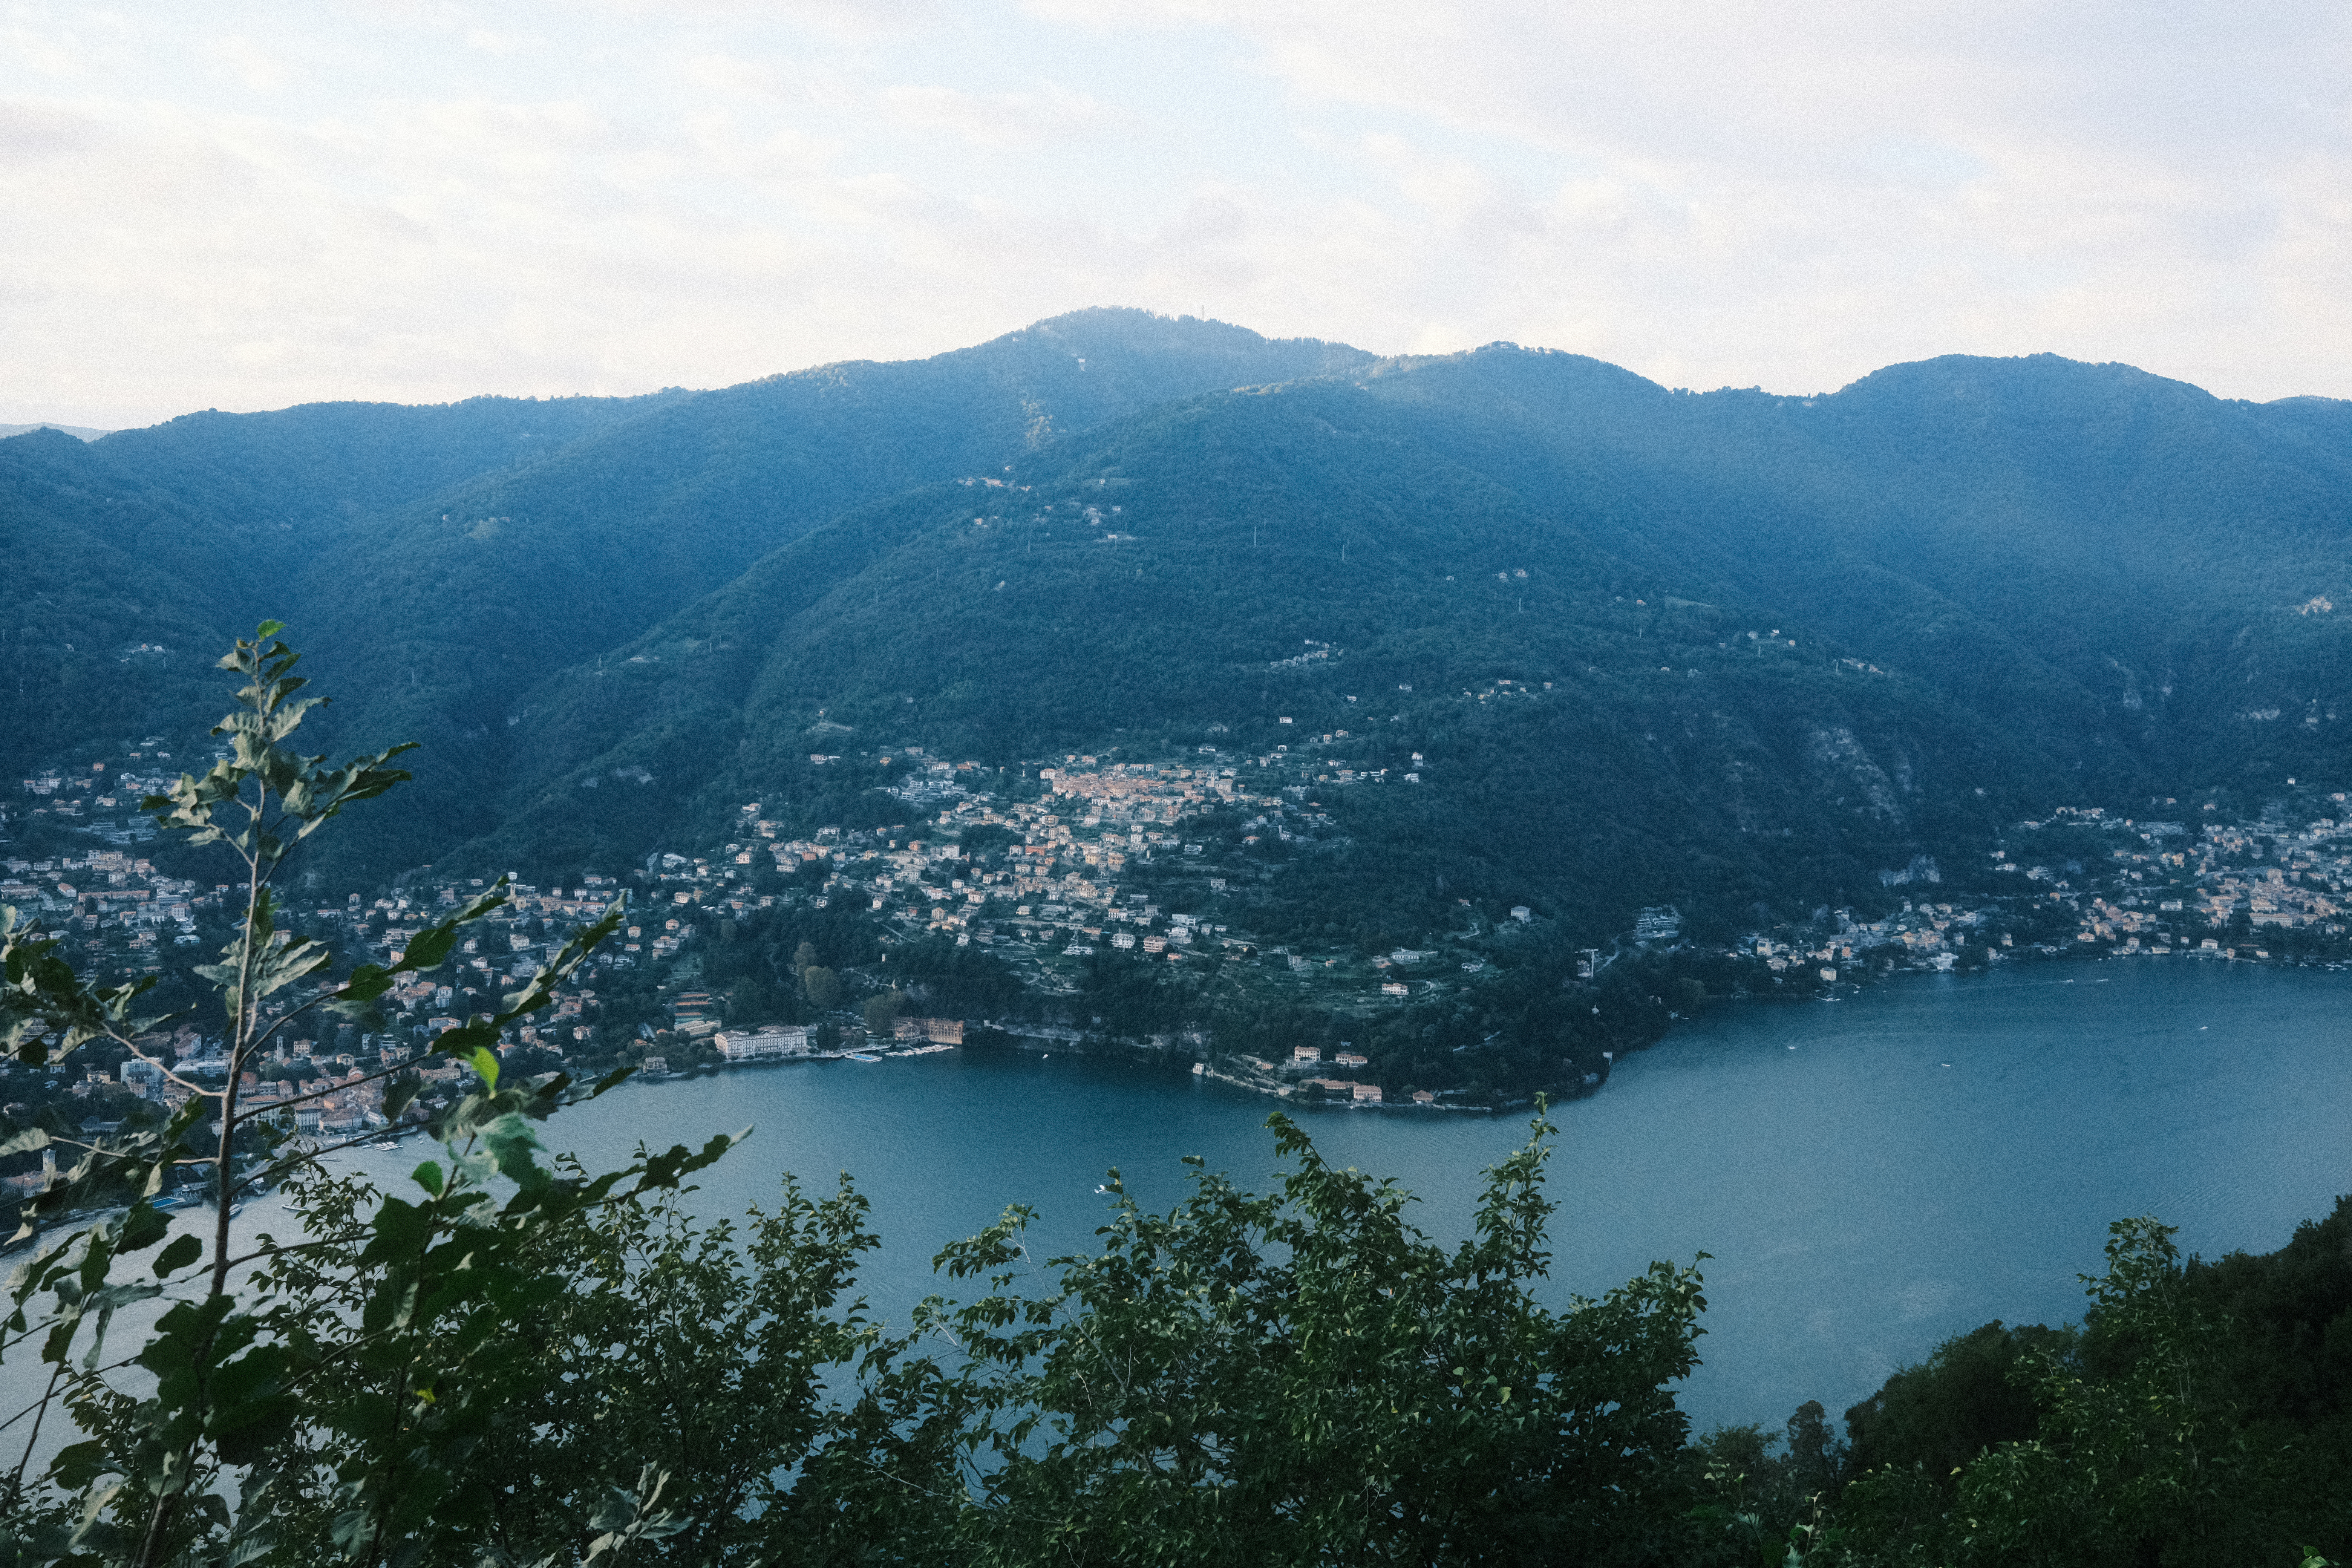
[398,1093]
[427,948]
[257,1428]
[143,1227]
[78,1464]
[609,1082]
[185,1249]
[487,1064]
[464,1038]
[367,982]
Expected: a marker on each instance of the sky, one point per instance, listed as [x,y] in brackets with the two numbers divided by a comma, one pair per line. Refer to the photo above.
[245,206]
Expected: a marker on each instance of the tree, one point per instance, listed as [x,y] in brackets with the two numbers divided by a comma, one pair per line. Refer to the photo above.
[2139,1453]
[882,1010]
[1302,1377]
[701,1355]
[400,1364]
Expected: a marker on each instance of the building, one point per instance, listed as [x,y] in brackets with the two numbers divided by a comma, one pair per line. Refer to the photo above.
[144,1076]
[1661,923]
[773,1043]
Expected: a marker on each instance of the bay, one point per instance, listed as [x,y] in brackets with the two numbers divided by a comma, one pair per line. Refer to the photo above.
[1869,1176]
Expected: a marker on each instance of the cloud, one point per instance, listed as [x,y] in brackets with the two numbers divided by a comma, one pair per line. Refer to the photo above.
[721,72]
[248,63]
[491,41]
[998,120]
[32,131]
[421,203]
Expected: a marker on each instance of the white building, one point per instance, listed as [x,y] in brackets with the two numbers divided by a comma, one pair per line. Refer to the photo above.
[771,1044]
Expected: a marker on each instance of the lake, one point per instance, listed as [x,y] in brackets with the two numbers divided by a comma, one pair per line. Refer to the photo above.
[1870,1175]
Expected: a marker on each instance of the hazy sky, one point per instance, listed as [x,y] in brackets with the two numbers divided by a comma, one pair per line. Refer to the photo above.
[245,206]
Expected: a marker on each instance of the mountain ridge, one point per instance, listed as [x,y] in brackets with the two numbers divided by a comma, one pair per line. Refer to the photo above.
[2046,581]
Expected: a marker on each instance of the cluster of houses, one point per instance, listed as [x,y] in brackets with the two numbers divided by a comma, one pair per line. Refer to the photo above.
[1304,1070]
[121,907]
[2279,879]
[2161,890]
[788,1042]
[327,1095]
[1059,882]
[1057,894]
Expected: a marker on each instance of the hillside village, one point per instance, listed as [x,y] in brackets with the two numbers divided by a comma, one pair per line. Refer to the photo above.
[1081,857]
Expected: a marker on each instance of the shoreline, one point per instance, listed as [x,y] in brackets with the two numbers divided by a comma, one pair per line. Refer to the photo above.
[1138,1051]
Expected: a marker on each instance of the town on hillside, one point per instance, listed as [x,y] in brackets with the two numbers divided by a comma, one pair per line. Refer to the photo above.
[1091,860]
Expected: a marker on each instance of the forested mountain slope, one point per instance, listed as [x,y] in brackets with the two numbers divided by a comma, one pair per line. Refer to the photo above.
[177,536]
[1791,642]
[2092,540]
[477,593]
[1203,572]
[82,593]
[440,561]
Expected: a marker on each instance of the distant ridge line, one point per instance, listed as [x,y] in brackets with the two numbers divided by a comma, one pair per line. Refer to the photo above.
[82,432]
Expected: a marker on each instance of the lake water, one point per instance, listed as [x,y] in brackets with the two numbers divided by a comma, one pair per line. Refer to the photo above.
[1870,1175]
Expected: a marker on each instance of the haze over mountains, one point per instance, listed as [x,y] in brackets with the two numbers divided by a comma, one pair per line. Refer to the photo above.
[84,431]
[1650,645]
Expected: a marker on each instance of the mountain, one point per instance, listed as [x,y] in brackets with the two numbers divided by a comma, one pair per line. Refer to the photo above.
[480,591]
[436,562]
[1640,646]
[82,432]
[1248,571]
[2087,537]
[1791,644]
[135,557]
